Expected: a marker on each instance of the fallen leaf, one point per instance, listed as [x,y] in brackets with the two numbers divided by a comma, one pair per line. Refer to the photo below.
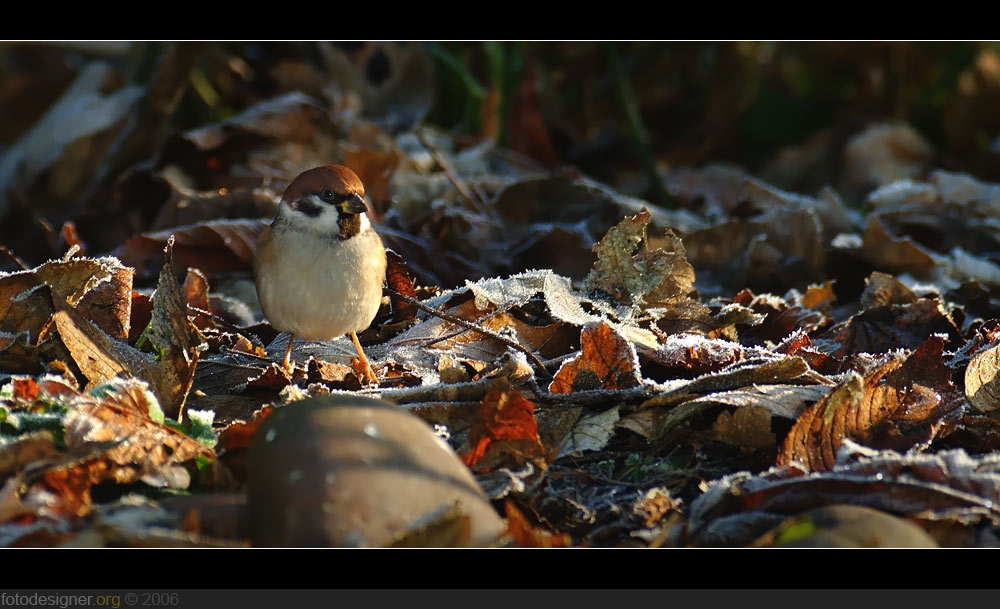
[798,343]
[125,412]
[900,404]
[196,290]
[883,329]
[527,536]
[784,369]
[948,484]
[780,318]
[591,432]
[882,290]
[15,455]
[606,361]
[893,254]
[399,280]
[216,248]
[239,434]
[748,427]
[99,287]
[695,353]
[177,340]
[505,427]
[630,272]
[982,385]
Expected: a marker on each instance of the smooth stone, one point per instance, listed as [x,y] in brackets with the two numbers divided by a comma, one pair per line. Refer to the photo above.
[848,526]
[336,471]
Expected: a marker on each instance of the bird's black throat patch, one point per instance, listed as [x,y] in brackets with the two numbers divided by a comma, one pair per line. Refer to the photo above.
[350,225]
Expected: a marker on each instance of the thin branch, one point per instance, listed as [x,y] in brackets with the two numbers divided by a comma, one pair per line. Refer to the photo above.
[439,339]
[460,185]
[10,254]
[471,326]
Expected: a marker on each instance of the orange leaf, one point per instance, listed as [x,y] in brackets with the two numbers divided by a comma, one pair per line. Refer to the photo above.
[527,536]
[505,425]
[240,434]
[25,389]
[897,405]
[606,361]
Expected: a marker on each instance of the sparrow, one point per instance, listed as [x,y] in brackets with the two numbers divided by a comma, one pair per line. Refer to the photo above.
[320,265]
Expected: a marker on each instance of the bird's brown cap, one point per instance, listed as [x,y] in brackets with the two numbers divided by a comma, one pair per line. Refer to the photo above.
[337,178]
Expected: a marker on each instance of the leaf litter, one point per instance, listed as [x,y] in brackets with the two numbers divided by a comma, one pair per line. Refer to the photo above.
[703,373]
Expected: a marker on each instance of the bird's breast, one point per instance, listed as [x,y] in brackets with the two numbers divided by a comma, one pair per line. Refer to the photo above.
[318,286]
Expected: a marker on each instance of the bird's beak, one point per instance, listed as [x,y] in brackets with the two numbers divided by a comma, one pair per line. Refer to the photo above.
[354,205]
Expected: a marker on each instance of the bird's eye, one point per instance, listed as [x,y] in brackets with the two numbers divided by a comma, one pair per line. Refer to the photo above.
[327,194]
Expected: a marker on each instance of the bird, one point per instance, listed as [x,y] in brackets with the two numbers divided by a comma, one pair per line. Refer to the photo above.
[320,265]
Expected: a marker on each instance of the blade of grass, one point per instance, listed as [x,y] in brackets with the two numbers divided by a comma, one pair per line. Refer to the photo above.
[637,132]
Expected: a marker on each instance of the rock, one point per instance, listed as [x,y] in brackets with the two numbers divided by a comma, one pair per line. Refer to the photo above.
[847,526]
[353,471]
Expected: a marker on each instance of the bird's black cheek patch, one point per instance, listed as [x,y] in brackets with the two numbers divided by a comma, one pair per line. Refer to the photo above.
[309,208]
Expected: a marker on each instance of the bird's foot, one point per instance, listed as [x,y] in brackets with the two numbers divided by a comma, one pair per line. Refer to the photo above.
[364,371]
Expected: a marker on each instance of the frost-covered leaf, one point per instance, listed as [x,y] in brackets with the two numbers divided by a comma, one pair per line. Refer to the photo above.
[900,404]
[606,361]
[948,485]
[591,432]
[632,272]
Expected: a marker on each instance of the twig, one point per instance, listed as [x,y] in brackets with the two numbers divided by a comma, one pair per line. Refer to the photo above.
[472,391]
[460,185]
[10,254]
[474,328]
[439,339]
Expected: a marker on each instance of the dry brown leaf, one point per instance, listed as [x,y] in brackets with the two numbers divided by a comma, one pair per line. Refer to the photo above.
[748,427]
[100,288]
[899,404]
[780,318]
[606,361]
[982,385]
[398,279]
[176,339]
[944,485]
[887,328]
[893,254]
[120,413]
[632,273]
[215,248]
[196,290]
[695,353]
[818,296]
[798,343]
[23,450]
[882,290]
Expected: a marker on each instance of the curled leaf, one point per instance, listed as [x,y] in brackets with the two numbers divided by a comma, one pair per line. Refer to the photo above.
[899,404]
[630,271]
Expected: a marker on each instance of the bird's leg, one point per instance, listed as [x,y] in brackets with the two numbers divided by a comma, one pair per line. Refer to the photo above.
[361,365]
[287,365]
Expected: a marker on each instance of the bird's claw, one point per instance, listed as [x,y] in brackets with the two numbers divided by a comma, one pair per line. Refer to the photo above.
[364,371]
